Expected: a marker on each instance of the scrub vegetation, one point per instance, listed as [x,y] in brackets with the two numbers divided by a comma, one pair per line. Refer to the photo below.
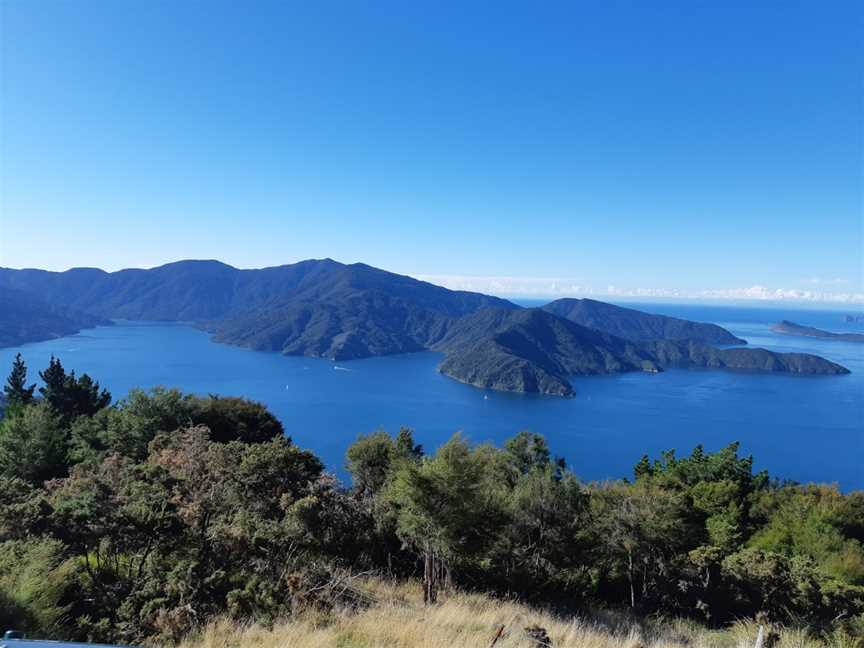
[170,518]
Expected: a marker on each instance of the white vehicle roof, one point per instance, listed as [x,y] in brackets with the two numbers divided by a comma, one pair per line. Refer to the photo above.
[36,643]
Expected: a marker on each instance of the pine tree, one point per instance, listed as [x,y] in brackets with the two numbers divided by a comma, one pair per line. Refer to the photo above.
[69,395]
[643,468]
[405,446]
[16,389]
[85,395]
[54,391]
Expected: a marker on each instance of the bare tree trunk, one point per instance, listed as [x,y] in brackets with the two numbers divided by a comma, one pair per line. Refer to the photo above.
[430,578]
[644,581]
[433,585]
[427,576]
[630,578]
[760,637]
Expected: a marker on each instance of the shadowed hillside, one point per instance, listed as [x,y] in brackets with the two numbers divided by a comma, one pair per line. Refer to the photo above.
[26,318]
[531,350]
[317,308]
[638,326]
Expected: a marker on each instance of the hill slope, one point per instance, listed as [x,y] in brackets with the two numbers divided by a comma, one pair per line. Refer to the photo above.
[25,318]
[211,290]
[395,616]
[638,326]
[353,312]
[316,307]
[531,350]
[791,328]
[696,355]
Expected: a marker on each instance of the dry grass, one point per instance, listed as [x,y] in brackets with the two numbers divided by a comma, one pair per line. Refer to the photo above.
[399,620]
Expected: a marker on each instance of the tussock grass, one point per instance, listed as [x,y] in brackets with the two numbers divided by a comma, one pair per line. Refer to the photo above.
[399,620]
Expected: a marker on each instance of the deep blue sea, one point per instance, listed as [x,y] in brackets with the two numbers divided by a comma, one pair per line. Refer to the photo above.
[800,428]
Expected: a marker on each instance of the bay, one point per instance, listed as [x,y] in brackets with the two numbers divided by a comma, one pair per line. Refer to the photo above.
[799,428]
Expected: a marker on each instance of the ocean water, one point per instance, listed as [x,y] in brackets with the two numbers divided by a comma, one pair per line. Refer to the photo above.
[800,428]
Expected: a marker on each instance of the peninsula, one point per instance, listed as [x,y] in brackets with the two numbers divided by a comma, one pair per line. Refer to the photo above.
[27,318]
[323,308]
[791,328]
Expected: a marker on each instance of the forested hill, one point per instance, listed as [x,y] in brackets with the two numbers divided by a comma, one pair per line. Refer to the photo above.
[531,350]
[212,290]
[791,328]
[27,318]
[315,307]
[638,326]
[323,308]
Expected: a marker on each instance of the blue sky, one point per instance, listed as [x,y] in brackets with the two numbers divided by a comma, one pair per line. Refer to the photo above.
[675,147]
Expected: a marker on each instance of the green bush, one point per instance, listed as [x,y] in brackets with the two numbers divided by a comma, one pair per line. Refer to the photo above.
[140,520]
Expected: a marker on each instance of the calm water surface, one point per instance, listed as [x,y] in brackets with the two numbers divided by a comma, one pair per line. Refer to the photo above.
[802,428]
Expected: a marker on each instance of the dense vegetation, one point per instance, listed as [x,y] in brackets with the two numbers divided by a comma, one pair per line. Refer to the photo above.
[149,517]
[26,318]
[637,326]
[315,307]
[532,350]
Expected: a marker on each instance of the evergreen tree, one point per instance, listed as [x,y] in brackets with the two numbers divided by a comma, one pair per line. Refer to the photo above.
[84,396]
[526,452]
[71,397]
[405,446]
[446,509]
[54,378]
[16,389]
[643,468]
[369,460]
[33,445]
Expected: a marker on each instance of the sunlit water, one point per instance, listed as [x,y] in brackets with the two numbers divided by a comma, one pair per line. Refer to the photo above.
[801,428]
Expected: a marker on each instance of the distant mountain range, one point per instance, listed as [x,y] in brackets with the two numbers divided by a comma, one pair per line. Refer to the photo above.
[323,308]
[317,307]
[791,328]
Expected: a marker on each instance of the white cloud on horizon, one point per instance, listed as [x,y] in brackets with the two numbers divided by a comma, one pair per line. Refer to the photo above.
[563,287]
[522,286]
[819,281]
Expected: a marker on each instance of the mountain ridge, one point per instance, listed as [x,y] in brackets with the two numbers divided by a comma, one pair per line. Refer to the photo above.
[532,350]
[323,308]
[638,326]
[27,318]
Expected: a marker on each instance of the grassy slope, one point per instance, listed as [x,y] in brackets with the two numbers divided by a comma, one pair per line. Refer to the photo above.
[399,620]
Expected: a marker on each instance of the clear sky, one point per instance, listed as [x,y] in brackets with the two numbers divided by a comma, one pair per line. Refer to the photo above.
[533,146]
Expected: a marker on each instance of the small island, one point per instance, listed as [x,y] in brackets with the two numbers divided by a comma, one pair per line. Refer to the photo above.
[791,328]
